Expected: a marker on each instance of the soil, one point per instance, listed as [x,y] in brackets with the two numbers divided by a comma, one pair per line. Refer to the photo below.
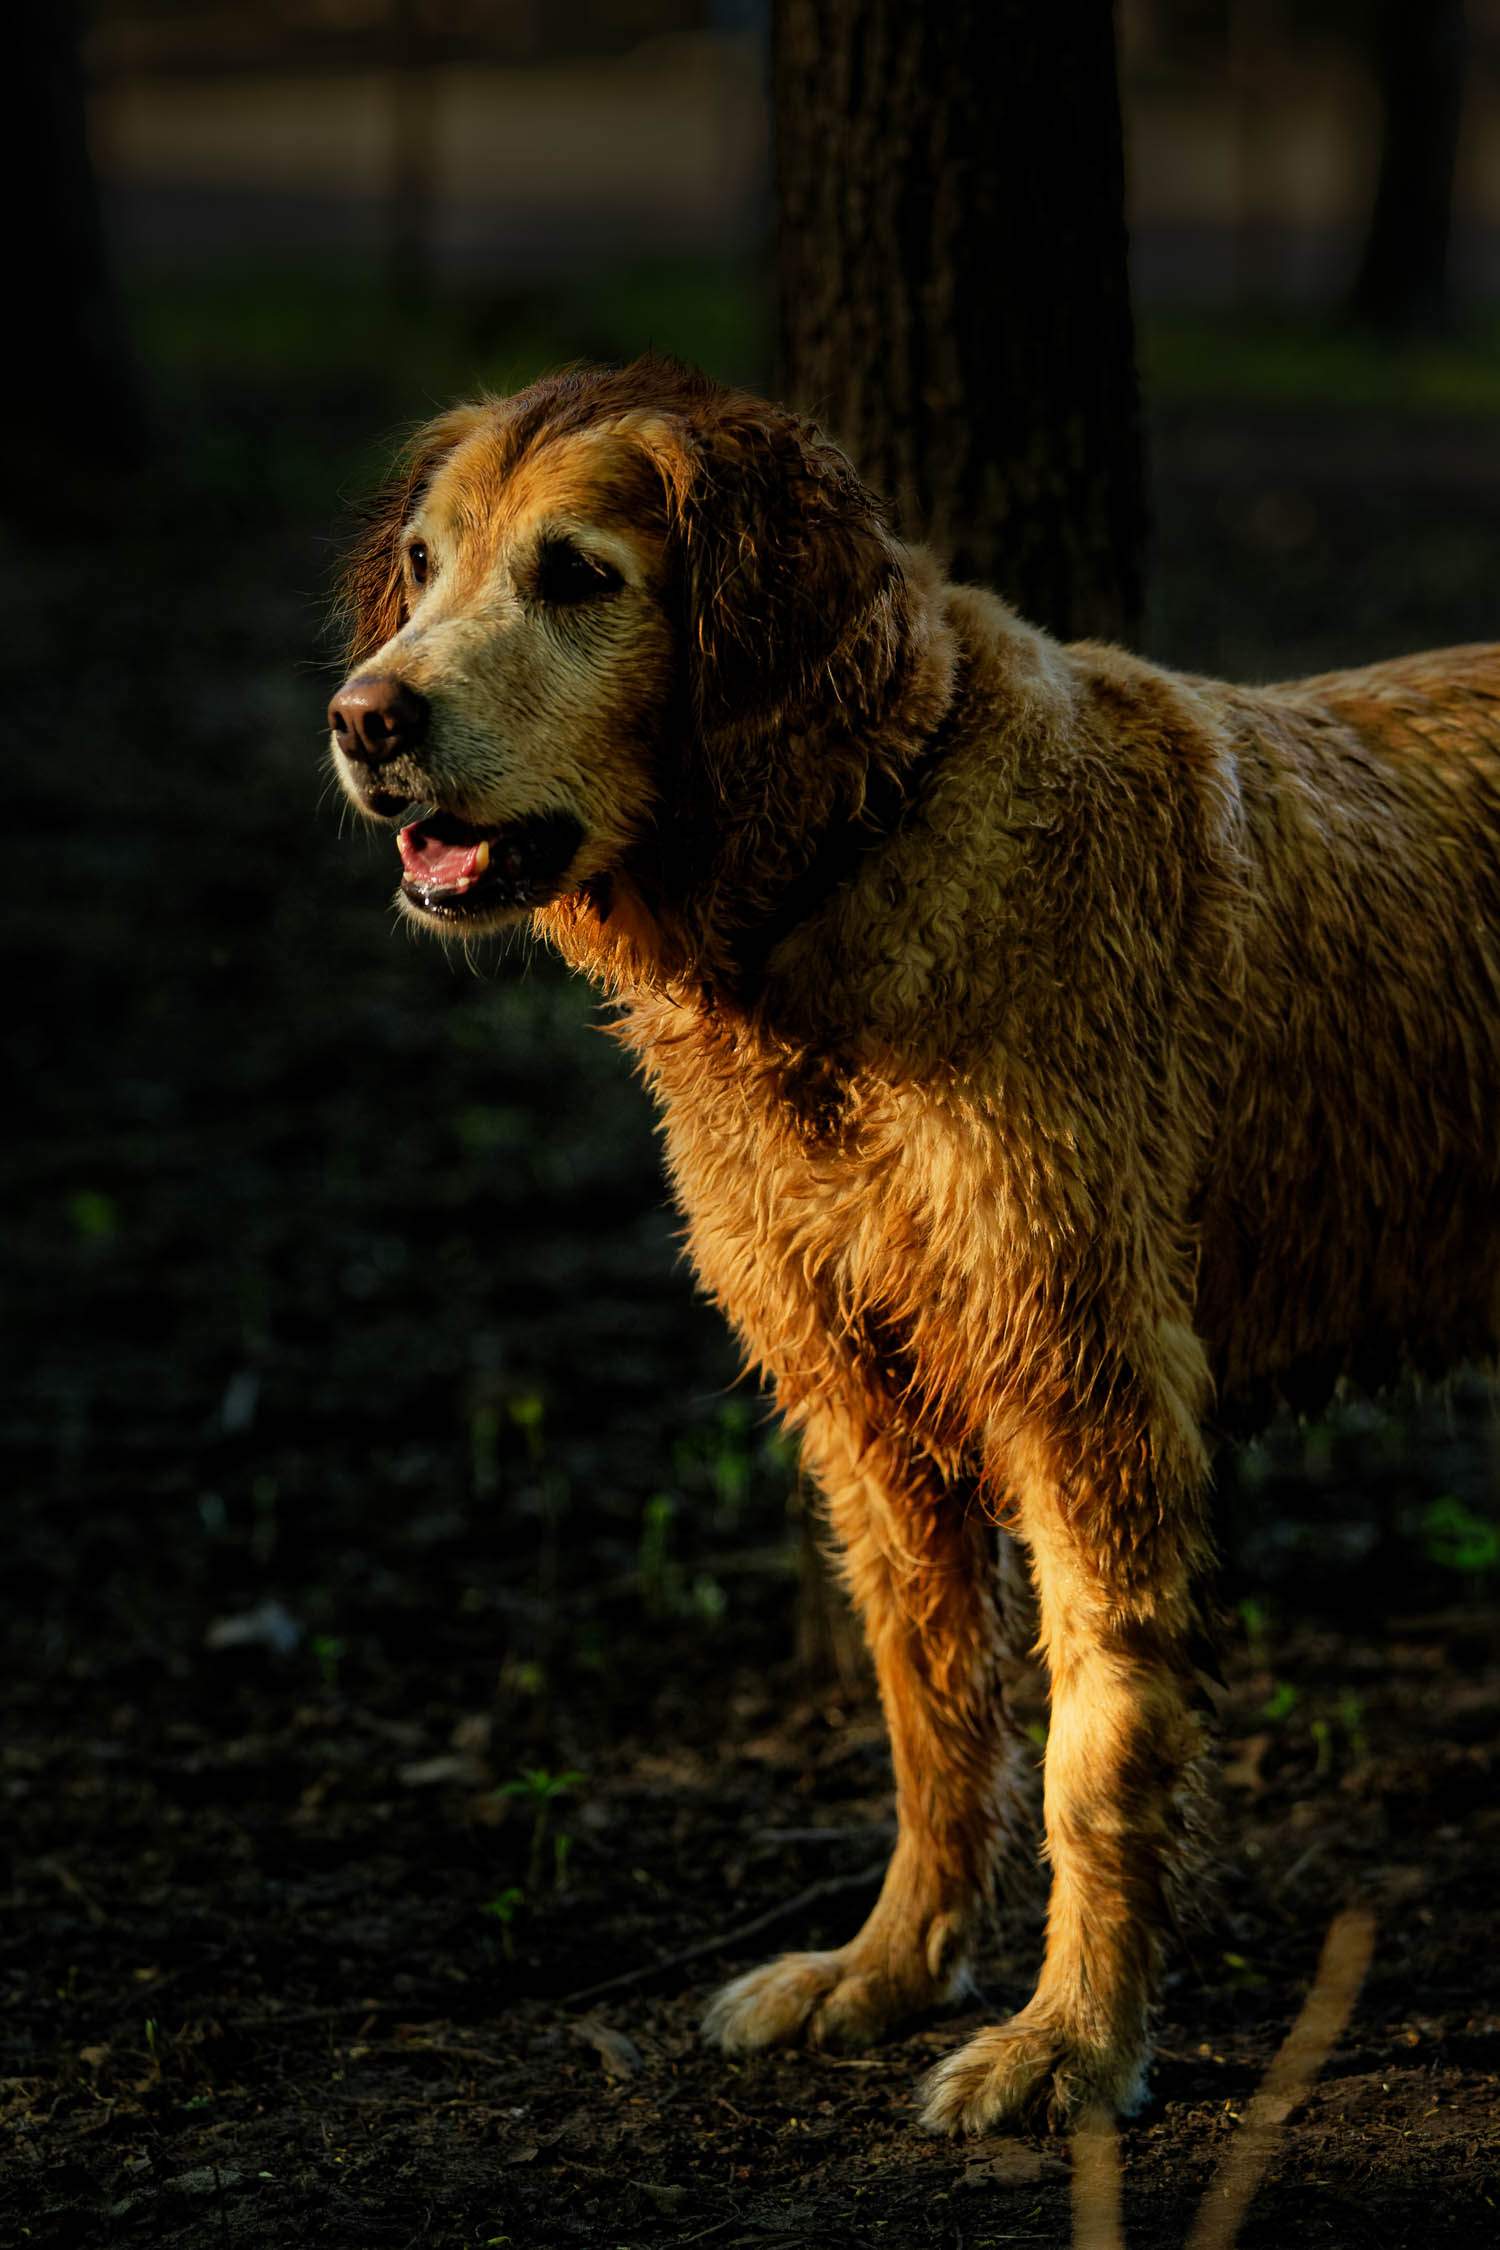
[407,1728]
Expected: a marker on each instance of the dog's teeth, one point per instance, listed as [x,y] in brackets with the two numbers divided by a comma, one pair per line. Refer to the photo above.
[482,857]
[463,882]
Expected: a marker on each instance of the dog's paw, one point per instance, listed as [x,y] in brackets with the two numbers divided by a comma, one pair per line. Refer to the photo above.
[1028,2068]
[804,1999]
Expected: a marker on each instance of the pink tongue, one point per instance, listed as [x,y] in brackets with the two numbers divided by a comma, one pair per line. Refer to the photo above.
[434,865]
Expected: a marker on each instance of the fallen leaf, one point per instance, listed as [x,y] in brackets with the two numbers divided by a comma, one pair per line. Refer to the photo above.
[1010,2164]
[451,1765]
[667,2199]
[269,1625]
[620,2056]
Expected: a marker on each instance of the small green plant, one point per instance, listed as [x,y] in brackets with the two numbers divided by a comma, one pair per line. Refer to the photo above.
[92,1215]
[1351,1717]
[660,1572]
[707,1598]
[540,1790]
[1456,1539]
[1318,1441]
[731,1454]
[666,1590]
[1280,1703]
[1255,1616]
[330,1652]
[528,1414]
[504,1908]
[1242,1973]
[1347,1721]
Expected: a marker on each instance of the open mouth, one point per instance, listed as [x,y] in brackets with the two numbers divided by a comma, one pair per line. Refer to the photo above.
[461,873]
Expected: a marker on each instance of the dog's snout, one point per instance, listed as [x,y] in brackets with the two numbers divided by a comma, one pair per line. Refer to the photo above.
[375,718]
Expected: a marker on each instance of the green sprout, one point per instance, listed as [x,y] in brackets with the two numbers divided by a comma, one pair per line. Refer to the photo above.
[504,1908]
[1255,1616]
[528,1414]
[661,1574]
[93,1215]
[1351,1717]
[330,1651]
[1456,1539]
[540,1790]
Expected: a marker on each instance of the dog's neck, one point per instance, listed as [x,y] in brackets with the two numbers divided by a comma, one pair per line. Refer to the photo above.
[845,841]
[810,790]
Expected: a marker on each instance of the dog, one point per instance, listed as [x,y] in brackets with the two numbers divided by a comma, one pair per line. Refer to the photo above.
[1055,1053]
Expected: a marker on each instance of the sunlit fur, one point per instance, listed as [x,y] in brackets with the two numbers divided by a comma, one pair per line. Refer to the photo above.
[1148,1069]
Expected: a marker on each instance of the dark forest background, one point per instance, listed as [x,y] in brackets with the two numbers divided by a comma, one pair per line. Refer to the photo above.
[421,1688]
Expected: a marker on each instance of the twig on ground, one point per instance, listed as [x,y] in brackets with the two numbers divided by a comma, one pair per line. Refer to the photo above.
[832,1886]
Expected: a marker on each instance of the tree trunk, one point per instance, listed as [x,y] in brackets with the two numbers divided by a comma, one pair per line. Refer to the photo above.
[70,367]
[1421,53]
[954,299]
[954,307]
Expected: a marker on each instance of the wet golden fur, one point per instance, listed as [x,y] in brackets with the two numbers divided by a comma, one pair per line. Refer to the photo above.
[1142,1060]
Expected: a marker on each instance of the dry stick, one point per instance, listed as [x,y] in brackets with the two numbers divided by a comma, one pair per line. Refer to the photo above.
[1302,2055]
[1096,2184]
[833,1886]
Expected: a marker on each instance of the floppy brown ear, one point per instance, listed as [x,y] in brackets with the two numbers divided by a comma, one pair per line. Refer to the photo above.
[371,600]
[781,554]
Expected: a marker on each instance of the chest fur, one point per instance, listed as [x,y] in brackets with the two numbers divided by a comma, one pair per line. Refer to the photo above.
[857,1234]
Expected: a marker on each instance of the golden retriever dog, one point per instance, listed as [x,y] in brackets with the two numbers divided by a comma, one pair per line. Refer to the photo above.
[1054,1052]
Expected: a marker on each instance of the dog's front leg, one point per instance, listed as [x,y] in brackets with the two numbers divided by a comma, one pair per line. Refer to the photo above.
[920,1562]
[1117,1547]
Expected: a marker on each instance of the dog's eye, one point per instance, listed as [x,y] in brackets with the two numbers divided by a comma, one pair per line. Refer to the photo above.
[417,562]
[565,575]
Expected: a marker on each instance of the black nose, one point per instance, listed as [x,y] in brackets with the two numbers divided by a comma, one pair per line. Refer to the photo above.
[374,718]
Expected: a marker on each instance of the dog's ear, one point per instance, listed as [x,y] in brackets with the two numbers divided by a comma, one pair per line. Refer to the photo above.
[780,557]
[371,600]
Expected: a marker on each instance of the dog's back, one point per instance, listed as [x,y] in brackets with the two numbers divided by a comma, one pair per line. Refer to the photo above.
[1351,1221]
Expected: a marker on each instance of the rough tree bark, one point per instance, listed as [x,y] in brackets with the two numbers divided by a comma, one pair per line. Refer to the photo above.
[954,299]
[1421,50]
[68,360]
[954,307]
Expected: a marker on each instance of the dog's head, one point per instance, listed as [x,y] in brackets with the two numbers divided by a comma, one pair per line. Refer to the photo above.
[597,631]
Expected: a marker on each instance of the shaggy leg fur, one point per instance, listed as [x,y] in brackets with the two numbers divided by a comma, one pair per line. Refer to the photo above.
[922,1570]
[1119,1629]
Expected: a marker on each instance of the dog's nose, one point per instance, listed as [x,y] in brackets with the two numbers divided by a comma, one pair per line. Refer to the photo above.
[374,718]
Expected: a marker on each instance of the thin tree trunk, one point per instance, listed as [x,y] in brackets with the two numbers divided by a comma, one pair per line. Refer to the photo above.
[1421,53]
[413,148]
[954,307]
[70,365]
[954,299]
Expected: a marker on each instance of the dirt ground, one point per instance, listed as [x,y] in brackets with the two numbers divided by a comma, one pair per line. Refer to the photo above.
[398,1593]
